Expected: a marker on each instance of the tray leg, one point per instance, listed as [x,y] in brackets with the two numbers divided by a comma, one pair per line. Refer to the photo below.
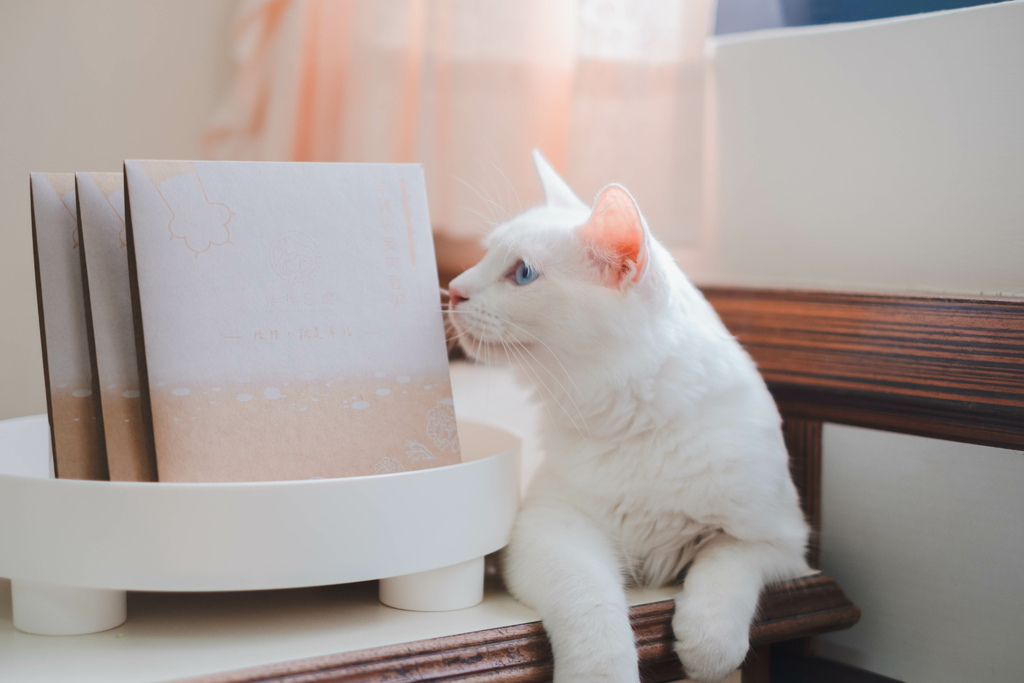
[456,586]
[48,609]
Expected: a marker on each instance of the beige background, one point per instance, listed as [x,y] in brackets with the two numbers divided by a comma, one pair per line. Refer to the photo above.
[83,85]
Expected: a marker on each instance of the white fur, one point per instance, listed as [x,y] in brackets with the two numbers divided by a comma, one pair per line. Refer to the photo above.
[663,448]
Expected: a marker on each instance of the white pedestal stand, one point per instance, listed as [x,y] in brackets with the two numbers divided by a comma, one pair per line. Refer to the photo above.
[437,590]
[73,548]
[47,609]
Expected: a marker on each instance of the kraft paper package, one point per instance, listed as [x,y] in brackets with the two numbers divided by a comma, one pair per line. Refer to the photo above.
[287,320]
[112,332]
[72,396]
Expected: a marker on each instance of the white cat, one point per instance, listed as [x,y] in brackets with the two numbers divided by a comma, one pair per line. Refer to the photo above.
[663,447]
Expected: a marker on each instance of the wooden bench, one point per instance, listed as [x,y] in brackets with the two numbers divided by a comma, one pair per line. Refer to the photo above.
[943,367]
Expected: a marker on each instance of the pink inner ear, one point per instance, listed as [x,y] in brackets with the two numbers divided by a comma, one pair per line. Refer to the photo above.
[615,232]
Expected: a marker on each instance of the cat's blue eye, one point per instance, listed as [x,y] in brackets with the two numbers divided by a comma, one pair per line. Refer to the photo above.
[525,273]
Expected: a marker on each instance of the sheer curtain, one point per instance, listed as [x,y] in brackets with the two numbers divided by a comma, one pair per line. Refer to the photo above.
[610,90]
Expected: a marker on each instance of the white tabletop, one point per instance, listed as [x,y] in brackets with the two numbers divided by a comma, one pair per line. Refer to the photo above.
[176,635]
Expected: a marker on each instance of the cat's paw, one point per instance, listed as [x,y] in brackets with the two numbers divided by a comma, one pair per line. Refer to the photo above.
[710,648]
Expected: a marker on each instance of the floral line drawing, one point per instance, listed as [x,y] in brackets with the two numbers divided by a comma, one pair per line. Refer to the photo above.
[120,233]
[294,256]
[74,230]
[388,465]
[417,451]
[226,215]
[441,426]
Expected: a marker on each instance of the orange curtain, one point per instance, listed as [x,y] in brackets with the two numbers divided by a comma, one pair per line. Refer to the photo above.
[610,90]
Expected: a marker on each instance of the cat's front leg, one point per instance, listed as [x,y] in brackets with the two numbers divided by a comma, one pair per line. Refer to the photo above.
[562,565]
[718,600]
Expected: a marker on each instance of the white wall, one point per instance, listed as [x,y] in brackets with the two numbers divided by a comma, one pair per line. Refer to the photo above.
[83,85]
[927,537]
[889,155]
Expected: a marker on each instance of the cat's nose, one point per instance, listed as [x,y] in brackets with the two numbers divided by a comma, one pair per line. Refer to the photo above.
[456,297]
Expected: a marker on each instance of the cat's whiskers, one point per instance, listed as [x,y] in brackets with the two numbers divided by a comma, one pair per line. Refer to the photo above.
[484,332]
[491,347]
[489,324]
[567,393]
[488,201]
[518,348]
[492,182]
[476,354]
[448,311]
[544,403]
[487,220]
[512,187]
[461,334]
[527,366]
[550,350]
[467,332]
[504,347]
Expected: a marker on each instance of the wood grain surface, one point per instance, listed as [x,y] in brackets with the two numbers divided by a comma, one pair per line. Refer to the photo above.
[945,367]
[803,441]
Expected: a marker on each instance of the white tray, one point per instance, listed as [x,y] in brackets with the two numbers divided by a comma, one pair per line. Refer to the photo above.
[73,548]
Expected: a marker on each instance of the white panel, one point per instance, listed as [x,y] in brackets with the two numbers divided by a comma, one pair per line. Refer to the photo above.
[884,154]
[927,538]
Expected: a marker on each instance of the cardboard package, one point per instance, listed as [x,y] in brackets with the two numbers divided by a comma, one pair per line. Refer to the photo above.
[287,320]
[112,332]
[72,396]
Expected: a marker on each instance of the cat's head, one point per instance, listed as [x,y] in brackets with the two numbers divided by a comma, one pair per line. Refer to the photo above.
[562,278]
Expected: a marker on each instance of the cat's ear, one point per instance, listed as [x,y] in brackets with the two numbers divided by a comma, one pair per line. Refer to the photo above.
[556,191]
[616,237]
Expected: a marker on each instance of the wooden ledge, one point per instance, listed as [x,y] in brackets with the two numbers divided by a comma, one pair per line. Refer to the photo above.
[938,366]
[521,654]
